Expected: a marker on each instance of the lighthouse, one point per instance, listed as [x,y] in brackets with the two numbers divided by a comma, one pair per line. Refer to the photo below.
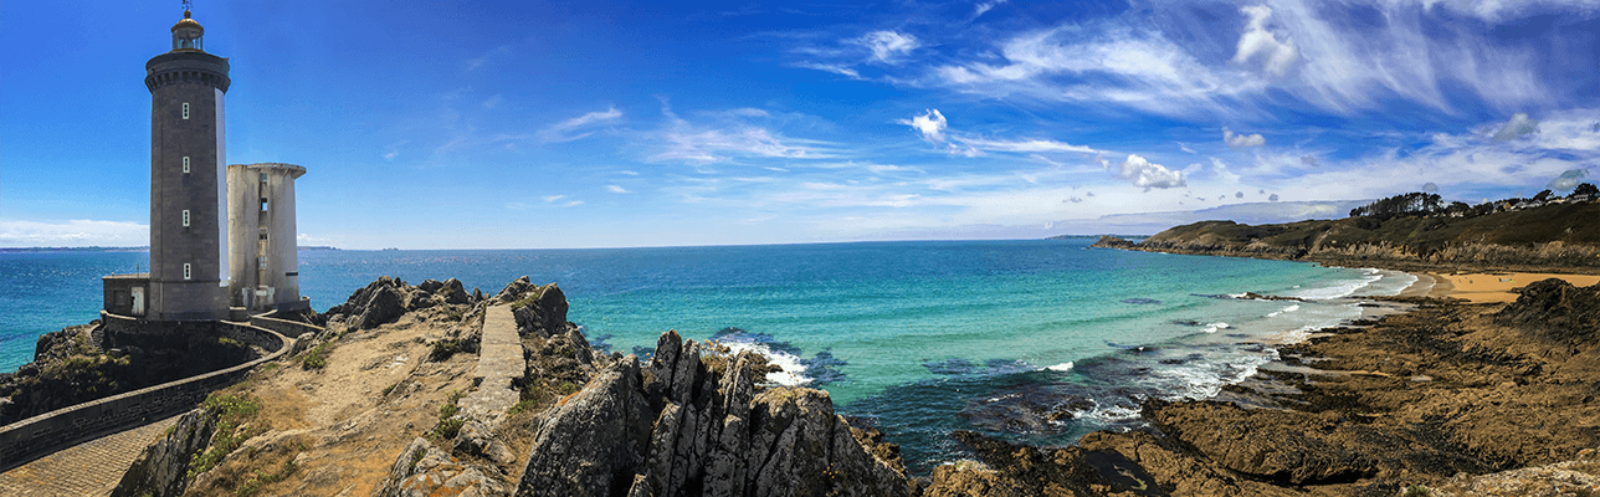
[188,246]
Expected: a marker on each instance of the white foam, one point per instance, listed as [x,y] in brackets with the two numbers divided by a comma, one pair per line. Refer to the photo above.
[1063,367]
[791,372]
[1213,327]
[1342,289]
[1279,312]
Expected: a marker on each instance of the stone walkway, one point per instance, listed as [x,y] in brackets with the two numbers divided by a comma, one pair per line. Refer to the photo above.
[91,468]
[499,362]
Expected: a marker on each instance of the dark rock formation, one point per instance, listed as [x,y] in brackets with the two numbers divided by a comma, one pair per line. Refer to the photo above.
[160,471]
[1109,241]
[423,470]
[691,426]
[545,314]
[1557,310]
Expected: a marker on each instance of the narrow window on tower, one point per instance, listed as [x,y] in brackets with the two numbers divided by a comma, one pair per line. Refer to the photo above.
[186,273]
[186,218]
[185,164]
[186,110]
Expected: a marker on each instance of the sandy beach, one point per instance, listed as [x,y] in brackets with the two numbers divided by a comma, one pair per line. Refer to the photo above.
[1481,288]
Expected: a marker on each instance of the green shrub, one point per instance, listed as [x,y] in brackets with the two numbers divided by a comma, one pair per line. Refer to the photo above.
[317,357]
[443,349]
[521,407]
[232,411]
[1417,491]
[227,341]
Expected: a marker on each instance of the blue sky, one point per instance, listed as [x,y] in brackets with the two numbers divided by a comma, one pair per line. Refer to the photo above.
[601,124]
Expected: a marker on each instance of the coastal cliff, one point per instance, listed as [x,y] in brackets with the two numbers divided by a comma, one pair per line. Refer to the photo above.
[1564,236]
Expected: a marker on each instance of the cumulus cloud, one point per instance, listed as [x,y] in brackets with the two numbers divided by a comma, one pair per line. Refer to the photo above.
[1568,180]
[1258,43]
[1143,173]
[1242,141]
[579,127]
[888,45]
[1519,126]
[931,125]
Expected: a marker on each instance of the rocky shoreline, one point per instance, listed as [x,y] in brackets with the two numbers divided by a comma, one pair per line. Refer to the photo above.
[1450,396]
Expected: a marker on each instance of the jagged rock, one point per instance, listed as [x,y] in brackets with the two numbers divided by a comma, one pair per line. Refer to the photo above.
[1567,314]
[453,292]
[590,444]
[477,439]
[544,316]
[423,470]
[380,302]
[514,290]
[430,285]
[160,470]
[686,429]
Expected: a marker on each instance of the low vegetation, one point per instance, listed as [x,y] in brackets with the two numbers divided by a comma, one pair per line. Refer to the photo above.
[234,412]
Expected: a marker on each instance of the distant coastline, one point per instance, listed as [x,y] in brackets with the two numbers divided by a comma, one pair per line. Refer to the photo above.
[143,248]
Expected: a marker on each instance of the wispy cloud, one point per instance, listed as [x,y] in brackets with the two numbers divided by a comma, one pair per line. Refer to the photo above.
[476,62]
[888,46]
[731,135]
[580,127]
[553,198]
[984,7]
[617,189]
[73,233]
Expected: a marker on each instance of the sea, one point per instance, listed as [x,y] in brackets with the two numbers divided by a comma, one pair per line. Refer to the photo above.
[1036,341]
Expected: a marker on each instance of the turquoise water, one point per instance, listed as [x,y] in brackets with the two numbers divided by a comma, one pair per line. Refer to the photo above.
[918,337]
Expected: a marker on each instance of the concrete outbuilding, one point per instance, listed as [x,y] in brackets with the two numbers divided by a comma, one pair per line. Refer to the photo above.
[262,245]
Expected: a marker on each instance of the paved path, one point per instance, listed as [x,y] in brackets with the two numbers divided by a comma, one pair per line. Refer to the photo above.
[499,362]
[91,468]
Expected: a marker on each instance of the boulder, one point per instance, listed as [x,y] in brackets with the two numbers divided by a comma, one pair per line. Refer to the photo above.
[160,469]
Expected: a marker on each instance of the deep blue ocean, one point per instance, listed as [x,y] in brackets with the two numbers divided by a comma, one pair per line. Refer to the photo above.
[917,337]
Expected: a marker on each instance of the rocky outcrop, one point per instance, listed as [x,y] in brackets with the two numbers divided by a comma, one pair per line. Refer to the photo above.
[1558,311]
[1108,241]
[690,425]
[545,312]
[160,471]
[423,470]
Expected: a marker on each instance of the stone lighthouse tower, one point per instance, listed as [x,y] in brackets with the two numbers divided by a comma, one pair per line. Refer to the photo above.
[188,247]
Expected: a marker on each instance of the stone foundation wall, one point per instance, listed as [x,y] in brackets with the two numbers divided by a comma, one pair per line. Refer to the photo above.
[40,435]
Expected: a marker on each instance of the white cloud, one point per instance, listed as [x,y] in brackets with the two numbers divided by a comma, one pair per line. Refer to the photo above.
[1220,170]
[573,203]
[705,146]
[553,198]
[1024,146]
[1144,174]
[833,68]
[983,7]
[73,233]
[1242,141]
[579,127]
[930,125]
[1519,126]
[886,46]
[1258,43]
[617,189]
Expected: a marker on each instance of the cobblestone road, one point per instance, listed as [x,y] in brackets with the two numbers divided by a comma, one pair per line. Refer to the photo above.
[89,469]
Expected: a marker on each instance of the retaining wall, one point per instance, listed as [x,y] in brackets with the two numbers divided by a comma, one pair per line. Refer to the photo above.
[291,329]
[31,438]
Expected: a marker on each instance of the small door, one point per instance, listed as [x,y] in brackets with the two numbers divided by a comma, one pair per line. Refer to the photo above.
[138,301]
